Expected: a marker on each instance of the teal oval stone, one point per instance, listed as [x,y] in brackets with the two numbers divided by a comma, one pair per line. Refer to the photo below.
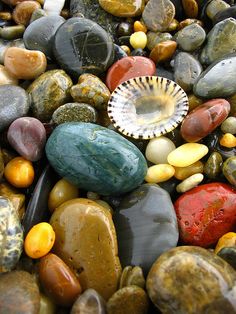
[95,158]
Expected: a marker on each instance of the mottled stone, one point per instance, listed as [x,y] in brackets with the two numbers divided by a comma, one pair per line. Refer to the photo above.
[80,224]
[190,37]
[158,14]
[89,302]
[48,92]
[154,38]
[14,104]
[132,276]
[229,170]
[216,6]
[212,84]
[12,32]
[220,41]
[123,8]
[189,280]
[186,70]
[190,8]
[212,167]
[23,11]
[229,125]
[163,51]
[80,37]
[145,216]
[6,78]
[187,22]
[222,15]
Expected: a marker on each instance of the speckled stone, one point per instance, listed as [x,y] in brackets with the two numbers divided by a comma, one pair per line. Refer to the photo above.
[220,41]
[89,48]
[192,280]
[229,170]
[190,37]
[123,8]
[154,38]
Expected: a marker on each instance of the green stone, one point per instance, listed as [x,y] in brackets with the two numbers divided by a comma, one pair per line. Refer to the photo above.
[132,276]
[212,167]
[12,32]
[37,14]
[95,158]
[229,255]
[229,170]
[220,41]
[190,37]
[123,8]
[229,125]
[154,38]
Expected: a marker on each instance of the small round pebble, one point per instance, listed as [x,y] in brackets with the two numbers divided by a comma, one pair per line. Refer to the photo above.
[189,183]
[138,40]
[158,149]
[228,140]
[229,125]
[159,173]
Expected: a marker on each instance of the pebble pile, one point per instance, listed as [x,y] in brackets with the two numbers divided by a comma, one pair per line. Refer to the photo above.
[117,156]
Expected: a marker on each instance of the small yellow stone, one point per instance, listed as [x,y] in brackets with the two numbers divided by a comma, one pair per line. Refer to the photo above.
[138,40]
[182,173]
[159,173]
[189,183]
[126,49]
[140,27]
[228,140]
[187,154]
[227,240]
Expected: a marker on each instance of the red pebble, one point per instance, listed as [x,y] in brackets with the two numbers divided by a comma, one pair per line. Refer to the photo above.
[127,68]
[205,213]
[204,119]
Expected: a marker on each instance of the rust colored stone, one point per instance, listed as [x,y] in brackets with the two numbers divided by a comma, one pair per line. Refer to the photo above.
[163,51]
[23,11]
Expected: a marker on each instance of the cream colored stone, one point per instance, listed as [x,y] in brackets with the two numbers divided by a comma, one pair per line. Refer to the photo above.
[159,173]
[189,183]
[158,149]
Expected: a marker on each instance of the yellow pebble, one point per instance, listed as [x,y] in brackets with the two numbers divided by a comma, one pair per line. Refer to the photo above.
[186,154]
[228,140]
[189,183]
[140,27]
[138,40]
[227,240]
[39,240]
[126,49]
[182,173]
[159,173]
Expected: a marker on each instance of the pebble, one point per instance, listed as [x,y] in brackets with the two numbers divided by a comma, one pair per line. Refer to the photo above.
[19,293]
[182,173]
[163,51]
[46,305]
[228,254]
[52,7]
[58,280]
[215,7]
[25,64]
[5,44]
[91,90]
[23,11]
[158,149]
[80,224]
[189,183]
[227,240]
[12,32]
[187,154]
[154,38]
[27,136]
[6,78]
[132,276]
[138,40]
[48,92]
[212,84]
[190,8]
[204,119]
[89,302]
[224,14]
[229,170]
[158,14]
[145,216]
[228,140]
[140,27]
[123,8]
[127,68]
[191,279]
[220,41]
[79,35]
[14,104]
[159,173]
[187,22]
[213,165]
[211,214]
[229,125]
[186,70]
[190,37]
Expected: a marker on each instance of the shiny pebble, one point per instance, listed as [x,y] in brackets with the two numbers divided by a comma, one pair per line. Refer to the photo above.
[159,173]
[158,149]
[189,183]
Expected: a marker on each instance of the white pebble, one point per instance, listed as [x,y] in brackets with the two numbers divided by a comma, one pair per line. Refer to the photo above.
[158,149]
[189,183]
[53,7]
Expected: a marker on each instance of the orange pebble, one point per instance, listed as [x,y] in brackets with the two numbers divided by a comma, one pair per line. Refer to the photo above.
[19,172]
[140,27]
[228,140]
[227,240]
[39,240]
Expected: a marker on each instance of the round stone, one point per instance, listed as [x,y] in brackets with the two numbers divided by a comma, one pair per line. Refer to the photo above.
[229,125]
[123,8]
[89,302]
[89,48]
[158,149]
[229,170]
[212,167]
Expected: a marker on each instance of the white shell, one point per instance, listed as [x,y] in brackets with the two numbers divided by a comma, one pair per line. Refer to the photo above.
[53,7]
[147,106]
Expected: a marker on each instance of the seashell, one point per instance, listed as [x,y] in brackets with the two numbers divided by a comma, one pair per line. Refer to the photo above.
[147,106]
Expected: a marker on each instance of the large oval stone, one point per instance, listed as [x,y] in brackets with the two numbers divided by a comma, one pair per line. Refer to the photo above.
[146,226]
[218,79]
[86,241]
[95,158]
[192,280]
[82,46]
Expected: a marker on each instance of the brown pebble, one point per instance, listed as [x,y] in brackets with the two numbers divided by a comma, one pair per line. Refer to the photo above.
[25,64]
[23,11]
[6,16]
[188,22]
[6,78]
[190,8]
[163,51]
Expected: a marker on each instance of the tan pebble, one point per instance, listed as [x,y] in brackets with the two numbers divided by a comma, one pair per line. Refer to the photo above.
[190,8]
[6,16]
[23,11]
[186,154]
[6,77]
[182,173]
[140,27]
[228,140]
[189,183]
[187,22]
[159,173]
[173,26]
[194,101]
[163,51]
[25,64]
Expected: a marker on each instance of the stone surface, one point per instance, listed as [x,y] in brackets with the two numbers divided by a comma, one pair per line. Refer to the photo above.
[146,226]
[189,280]
[80,224]
[27,136]
[212,84]
[89,302]
[190,8]
[205,213]
[229,255]
[158,14]
[229,125]
[23,11]
[14,104]
[222,15]
[186,70]
[123,8]
[190,183]
[48,92]
[163,51]
[132,276]
[154,38]
[213,165]
[80,37]
[158,149]
[6,78]
[220,41]
[19,293]
[229,170]
[190,37]
[4,44]
[127,68]
[12,32]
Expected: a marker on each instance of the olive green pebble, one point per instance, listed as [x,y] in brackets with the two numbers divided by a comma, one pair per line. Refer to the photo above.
[74,112]
[154,38]
[127,300]
[37,14]
[229,170]
[229,255]
[212,167]
[132,276]
[229,125]
[12,32]
[189,183]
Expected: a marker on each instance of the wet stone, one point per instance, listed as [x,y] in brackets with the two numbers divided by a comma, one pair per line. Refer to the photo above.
[80,36]
[216,6]
[119,53]
[89,302]
[190,8]
[154,38]
[222,15]
[123,8]
[220,41]
[229,170]
[23,11]
[213,165]
[186,70]
[229,125]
